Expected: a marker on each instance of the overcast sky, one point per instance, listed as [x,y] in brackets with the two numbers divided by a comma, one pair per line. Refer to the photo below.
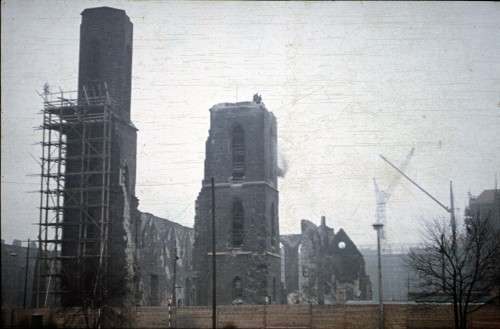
[346,81]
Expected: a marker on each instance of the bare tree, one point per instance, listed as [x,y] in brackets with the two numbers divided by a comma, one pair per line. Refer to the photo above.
[458,267]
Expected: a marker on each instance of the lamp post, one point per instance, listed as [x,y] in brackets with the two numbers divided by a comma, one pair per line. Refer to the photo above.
[378,227]
[174,290]
[173,304]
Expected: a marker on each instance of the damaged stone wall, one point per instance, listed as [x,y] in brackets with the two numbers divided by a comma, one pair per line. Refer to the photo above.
[322,267]
[157,242]
[241,156]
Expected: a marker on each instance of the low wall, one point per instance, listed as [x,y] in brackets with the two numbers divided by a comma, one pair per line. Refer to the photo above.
[397,316]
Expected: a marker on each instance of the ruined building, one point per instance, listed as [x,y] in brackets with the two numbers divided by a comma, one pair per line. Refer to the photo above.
[159,242]
[96,248]
[88,172]
[322,267]
[487,207]
[241,156]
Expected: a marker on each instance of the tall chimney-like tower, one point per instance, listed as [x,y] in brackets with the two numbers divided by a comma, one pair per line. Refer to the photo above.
[106,55]
[100,165]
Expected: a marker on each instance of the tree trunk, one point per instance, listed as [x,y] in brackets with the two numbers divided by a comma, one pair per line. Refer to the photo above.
[455,312]
[464,324]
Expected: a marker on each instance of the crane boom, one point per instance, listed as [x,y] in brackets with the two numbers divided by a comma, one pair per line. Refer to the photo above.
[382,196]
[418,186]
[388,191]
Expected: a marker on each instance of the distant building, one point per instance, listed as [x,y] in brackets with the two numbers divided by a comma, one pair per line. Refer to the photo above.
[487,206]
[14,274]
[241,156]
[399,281]
[323,267]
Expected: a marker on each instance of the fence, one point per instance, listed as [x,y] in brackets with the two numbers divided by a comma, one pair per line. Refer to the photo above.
[348,316]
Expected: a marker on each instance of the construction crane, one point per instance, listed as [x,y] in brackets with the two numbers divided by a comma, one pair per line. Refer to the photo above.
[383,196]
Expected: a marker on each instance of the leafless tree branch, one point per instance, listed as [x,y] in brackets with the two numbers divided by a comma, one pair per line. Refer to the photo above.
[460,270]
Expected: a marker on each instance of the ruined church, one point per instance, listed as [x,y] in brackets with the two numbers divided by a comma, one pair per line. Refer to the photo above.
[322,266]
[102,248]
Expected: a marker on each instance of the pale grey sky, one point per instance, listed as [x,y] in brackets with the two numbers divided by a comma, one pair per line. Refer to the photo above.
[346,81]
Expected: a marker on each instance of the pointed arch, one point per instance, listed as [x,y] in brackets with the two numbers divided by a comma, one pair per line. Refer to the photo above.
[238,151]
[274,239]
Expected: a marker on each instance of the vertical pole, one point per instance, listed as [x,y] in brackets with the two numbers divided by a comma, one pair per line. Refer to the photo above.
[443,273]
[380,286]
[378,227]
[26,274]
[169,307]
[174,294]
[48,189]
[214,278]
[42,195]
[408,288]
[454,282]
[453,221]
[265,315]
[174,291]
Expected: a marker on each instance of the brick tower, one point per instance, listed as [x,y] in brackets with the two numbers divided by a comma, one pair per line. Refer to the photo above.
[241,156]
[97,144]
[106,55]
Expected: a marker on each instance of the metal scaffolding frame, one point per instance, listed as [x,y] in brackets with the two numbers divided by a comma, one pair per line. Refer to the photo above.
[75,188]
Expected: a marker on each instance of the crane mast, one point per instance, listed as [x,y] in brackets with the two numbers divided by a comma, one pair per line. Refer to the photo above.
[383,196]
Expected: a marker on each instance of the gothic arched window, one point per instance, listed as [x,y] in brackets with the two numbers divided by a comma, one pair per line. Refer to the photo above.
[237,288]
[273,226]
[238,223]
[238,152]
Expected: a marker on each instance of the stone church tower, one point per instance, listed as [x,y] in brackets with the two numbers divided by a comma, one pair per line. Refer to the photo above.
[100,164]
[241,156]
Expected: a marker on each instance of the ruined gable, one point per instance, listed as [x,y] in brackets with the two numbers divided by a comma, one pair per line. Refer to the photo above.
[323,267]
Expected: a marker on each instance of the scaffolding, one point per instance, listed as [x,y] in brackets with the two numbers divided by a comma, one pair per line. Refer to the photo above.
[75,188]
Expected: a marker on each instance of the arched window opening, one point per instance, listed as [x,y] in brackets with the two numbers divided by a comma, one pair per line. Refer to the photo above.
[238,223]
[237,288]
[262,269]
[238,152]
[273,155]
[273,227]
